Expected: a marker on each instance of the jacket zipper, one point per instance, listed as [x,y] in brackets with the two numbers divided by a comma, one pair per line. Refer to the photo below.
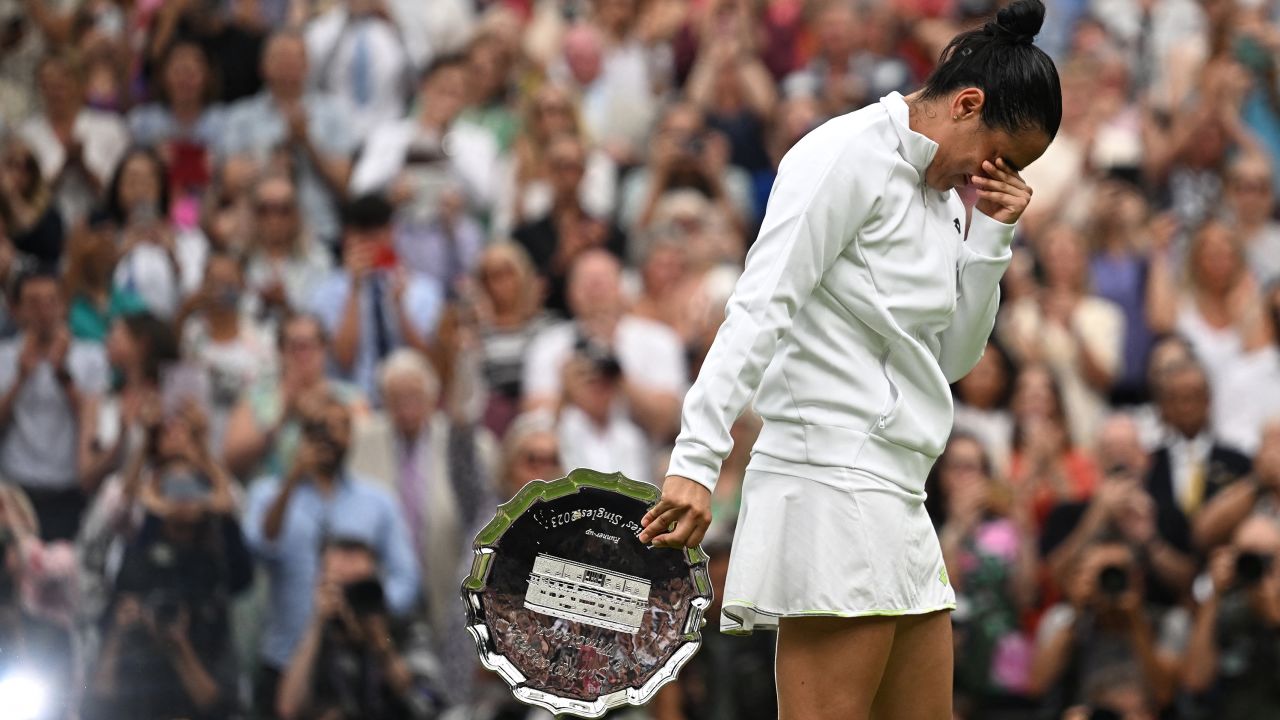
[893,388]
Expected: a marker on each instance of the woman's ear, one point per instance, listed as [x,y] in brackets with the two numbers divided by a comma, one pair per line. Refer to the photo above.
[967,104]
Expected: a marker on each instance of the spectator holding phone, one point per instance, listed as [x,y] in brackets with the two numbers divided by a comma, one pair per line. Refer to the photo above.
[1231,660]
[166,651]
[264,429]
[354,661]
[290,516]
[222,339]
[157,260]
[372,305]
[183,123]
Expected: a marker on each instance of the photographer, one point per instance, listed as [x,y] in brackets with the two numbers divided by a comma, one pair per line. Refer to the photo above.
[166,651]
[1106,627]
[642,357]
[349,663]
[1233,658]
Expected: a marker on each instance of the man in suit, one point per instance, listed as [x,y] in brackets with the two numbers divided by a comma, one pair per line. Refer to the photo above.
[1191,466]
[440,469]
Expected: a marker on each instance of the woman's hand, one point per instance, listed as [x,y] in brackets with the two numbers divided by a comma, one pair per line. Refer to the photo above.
[1002,195]
[684,504]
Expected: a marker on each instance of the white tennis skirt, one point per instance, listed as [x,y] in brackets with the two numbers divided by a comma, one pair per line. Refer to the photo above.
[834,542]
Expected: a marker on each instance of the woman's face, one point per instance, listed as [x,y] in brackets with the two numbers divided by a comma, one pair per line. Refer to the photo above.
[962,466]
[1216,262]
[500,278]
[139,182]
[963,146]
[664,268]
[1062,253]
[186,75]
[1033,394]
[123,349]
[303,352]
[19,164]
[553,114]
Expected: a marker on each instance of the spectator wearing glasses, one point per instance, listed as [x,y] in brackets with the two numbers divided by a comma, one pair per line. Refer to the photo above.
[530,180]
[568,228]
[289,518]
[285,263]
[309,126]
[1250,204]
[263,431]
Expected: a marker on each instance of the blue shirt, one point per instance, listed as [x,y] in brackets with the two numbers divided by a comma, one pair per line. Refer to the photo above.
[356,509]
[255,127]
[422,304]
[154,124]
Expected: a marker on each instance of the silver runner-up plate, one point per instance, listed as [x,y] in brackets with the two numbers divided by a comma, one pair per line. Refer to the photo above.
[570,608]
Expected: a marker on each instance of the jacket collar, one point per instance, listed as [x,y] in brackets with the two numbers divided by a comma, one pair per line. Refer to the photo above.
[915,148]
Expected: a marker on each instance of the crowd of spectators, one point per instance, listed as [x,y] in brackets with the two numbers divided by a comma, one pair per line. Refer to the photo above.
[295,291]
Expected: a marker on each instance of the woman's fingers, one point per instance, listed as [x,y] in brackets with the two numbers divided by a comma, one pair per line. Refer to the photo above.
[1013,202]
[655,511]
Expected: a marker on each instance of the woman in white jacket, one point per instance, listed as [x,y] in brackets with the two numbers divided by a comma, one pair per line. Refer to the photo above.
[862,299]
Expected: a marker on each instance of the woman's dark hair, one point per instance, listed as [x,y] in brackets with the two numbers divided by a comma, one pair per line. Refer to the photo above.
[210,92]
[160,344]
[119,214]
[1019,80]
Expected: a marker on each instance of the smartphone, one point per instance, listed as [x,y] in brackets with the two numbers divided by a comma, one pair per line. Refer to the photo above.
[385,258]
[189,167]
[180,383]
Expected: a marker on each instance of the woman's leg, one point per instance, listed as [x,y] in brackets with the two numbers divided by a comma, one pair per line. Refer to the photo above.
[917,679]
[829,668]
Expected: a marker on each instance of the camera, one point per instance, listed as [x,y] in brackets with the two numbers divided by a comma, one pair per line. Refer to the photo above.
[164,605]
[365,598]
[602,359]
[1251,567]
[1113,580]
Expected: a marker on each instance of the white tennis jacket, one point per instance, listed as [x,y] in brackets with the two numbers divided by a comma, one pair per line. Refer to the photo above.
[861,300]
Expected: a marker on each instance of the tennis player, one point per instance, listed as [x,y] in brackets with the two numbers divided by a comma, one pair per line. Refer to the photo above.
[866,294]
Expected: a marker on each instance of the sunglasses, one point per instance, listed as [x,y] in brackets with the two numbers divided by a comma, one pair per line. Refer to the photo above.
[275,208]
[540,459]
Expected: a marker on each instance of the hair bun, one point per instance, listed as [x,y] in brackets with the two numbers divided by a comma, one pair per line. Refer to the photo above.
[1019,23]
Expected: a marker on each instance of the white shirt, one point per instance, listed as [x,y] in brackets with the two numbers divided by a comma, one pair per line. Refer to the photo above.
[1183,452]
[1216,348]
[649,353]
[861,301]
[104,139]
[598,193]
[1247,398]
[472,159]
[340,45]
[148,271]
[620,446]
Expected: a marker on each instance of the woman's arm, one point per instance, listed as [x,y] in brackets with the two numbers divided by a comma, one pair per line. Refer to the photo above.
[820,201]
[984,256]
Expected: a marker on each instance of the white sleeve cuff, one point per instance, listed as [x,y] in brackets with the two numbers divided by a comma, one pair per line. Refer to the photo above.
[989,237]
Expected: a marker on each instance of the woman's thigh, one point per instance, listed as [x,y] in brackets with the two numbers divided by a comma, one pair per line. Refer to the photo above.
[829,668]
[917,680]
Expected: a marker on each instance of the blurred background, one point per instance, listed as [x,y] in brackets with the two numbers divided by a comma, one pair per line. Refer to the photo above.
[295,291]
